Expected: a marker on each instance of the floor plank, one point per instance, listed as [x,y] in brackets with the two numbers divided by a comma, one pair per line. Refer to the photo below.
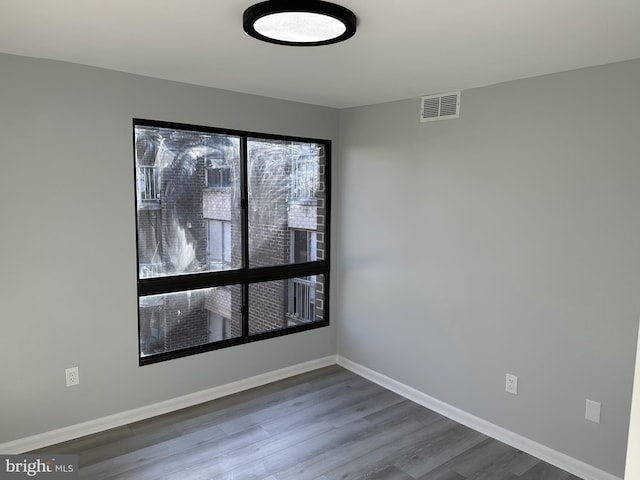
[328,424]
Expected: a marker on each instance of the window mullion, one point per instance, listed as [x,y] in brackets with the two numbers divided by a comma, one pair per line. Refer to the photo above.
[245,310]
[244,221]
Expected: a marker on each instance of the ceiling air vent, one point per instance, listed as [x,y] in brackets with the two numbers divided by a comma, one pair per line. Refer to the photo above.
[440,107]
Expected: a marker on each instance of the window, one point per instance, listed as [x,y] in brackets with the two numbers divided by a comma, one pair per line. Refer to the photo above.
[219,244]
[304,180]
[232,235]
[219,327]
[301,295]
[303,246]
[217,172]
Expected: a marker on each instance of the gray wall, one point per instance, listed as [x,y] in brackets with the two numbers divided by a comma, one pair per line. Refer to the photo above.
[67,242]
[503,241]
[507,240]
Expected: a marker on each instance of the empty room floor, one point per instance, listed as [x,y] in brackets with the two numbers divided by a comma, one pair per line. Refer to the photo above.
[328,424]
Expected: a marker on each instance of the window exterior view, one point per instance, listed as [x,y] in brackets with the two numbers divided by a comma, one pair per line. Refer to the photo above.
[232,235]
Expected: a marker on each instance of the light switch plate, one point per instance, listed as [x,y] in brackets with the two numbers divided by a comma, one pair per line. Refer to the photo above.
[592,411]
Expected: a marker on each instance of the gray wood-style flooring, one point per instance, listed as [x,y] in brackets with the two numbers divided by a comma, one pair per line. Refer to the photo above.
[328,424]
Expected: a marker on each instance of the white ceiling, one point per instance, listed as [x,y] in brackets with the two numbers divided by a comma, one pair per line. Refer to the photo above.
[402,49]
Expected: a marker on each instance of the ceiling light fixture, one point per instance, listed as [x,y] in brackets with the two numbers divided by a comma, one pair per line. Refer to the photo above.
[299,22]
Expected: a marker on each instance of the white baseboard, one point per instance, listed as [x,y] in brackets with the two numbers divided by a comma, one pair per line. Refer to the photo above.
[558,459]
[119,419]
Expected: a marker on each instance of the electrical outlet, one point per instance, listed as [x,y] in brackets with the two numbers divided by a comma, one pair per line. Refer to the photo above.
[73,377]
[592,411]
[511,384]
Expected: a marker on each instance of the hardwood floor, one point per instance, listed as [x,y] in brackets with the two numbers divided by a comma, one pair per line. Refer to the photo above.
[329,424]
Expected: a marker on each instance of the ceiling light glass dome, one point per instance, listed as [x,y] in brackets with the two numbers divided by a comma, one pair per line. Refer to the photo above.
[299,23]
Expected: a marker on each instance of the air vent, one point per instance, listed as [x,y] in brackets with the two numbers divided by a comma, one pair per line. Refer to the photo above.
[440,107]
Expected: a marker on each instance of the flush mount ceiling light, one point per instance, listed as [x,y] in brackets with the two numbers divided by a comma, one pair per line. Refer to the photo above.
[299,22]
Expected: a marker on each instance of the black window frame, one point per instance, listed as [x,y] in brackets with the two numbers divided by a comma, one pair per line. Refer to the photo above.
[245,275]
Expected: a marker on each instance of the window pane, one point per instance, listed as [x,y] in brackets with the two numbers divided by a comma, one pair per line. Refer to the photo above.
[286,192]
[285,303]
[180,320]
[174,172]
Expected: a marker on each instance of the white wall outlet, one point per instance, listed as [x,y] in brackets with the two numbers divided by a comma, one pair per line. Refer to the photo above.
[511,384]
[592,411]
[73,377]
